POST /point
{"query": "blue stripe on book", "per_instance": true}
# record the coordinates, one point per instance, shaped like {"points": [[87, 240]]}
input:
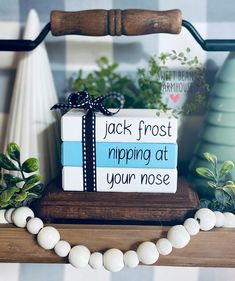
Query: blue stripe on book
{"points": [[123, 155]]}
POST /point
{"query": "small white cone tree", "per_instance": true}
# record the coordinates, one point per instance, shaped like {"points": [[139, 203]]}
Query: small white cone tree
{"points": [[31, 123]]}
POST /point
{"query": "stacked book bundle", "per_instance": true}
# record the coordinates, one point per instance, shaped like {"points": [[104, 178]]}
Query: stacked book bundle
{"points": [[135, 151]]}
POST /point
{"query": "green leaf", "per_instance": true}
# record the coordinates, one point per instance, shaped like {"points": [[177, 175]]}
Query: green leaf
{"points": [[212, 184], [31, 181], [3, 205], [21, 197], [222, 197], [11, 180], [210, 158], [204, 203], [31, 197], [206, 173], [7, 164], [34, 195], [13, 150], [226, 168], [30, 165], [6, 195], [37, 188], [230, 190]]}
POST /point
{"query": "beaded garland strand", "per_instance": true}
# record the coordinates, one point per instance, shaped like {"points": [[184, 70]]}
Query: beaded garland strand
{"points": [[114, 260]]}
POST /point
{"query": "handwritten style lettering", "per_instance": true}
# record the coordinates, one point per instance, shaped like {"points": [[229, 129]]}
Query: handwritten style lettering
{"points": [[154, 130], [117, 128]]}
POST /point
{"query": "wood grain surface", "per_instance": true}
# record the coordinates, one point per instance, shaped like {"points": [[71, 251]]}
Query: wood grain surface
{"points": [[214, 248], [124, 207], [115, 22]]}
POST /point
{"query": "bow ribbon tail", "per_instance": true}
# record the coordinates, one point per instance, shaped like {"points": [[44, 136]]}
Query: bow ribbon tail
{"points": [[89, 151]]}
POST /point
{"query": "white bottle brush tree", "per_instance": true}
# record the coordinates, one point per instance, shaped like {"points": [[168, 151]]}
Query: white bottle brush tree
{"points": [[31, 123]]}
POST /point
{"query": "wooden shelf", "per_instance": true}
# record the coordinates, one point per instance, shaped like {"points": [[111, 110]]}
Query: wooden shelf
{"points": [[215, 248]]}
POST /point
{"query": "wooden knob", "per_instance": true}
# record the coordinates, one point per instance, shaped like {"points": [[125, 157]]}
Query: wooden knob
{"points": [[115, 22]]}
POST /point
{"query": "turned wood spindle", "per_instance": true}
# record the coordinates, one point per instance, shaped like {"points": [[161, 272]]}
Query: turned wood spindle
{"points": [[115, 22]]}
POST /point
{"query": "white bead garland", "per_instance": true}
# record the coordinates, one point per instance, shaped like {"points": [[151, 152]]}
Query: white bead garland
{"points": [[8, 215], [2, 217], [79, 256], [131, 259], [47, 237], [164, 246], [34, 225], [62, 248], [113, 259], [96, 260], [178, 236], [147, 253], [219, 219], [192, 226], [229, 220], [21, 215], [206, 219]]}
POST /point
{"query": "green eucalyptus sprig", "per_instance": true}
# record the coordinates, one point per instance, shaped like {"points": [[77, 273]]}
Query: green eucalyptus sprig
{"points": [[145, 91], [220, 180], [20, 190]]}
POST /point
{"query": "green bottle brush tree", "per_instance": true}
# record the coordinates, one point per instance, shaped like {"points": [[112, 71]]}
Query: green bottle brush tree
{"points": [[16, 191]]}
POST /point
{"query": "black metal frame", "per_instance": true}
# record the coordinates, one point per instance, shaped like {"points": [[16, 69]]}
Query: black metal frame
{"points": [[24, 45], [212, 44], [219, 45]]}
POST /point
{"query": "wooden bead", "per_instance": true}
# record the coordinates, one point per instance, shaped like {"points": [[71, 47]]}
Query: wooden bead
{"points": [[8, 215], [2, 217], [47, 237], [21, 215], [147, 253], [178, 236], [79, 256], [219, 219], [113, 260], [229, 220], [164, 246], [62, 248], [131, 259], [206, 219], [34, 225], [192, 226], [96, 260]]}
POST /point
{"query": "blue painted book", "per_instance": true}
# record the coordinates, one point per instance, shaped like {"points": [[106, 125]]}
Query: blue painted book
{"points": [[123, 155]]}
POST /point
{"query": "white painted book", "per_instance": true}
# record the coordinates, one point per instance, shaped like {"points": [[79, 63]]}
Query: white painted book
{"points": [[128, 125], [123, 180]]}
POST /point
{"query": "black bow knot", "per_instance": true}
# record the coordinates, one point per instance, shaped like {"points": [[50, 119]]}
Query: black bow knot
{"points": [[85, 101]]}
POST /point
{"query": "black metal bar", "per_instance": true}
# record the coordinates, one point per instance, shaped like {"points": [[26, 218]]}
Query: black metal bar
{"points": [[24, 45], [219, 45]]}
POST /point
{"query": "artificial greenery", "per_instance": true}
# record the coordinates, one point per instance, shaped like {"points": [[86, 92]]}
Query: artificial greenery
{"points": [[145, 91], [20, 190], [220, 181]]}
